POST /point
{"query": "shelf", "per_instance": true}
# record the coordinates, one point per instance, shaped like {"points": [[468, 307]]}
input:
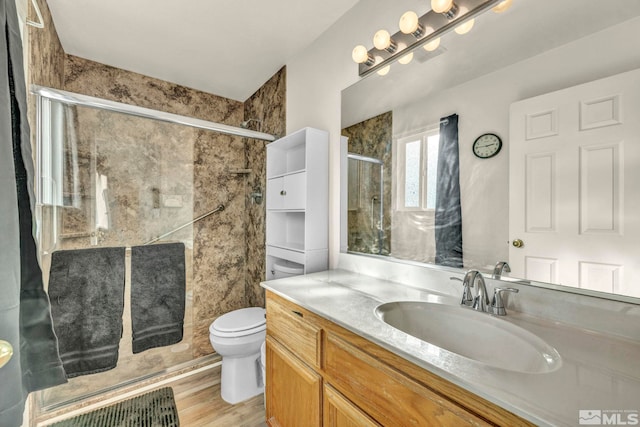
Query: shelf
{"points": [[286, 227], [287, 154], [290, 246], [297, 197], [286, 174]]}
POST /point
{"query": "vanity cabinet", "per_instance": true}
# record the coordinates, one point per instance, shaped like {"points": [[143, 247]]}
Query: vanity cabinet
{"points": [[297, 202], [298, 389], [354, 382]]}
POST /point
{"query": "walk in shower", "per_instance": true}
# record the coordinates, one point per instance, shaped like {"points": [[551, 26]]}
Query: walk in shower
{"points": [[109, 175], [366, 233]]}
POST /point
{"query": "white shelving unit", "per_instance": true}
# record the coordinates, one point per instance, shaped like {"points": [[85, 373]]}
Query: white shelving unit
{"points": [[297, 201]]}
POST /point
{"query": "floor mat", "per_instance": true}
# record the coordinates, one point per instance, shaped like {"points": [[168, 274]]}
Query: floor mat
{"points": [[153, 409]]}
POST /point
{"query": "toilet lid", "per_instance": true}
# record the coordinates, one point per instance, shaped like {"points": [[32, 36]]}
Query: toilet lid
{"points": [[244, 319], [289, 269]]}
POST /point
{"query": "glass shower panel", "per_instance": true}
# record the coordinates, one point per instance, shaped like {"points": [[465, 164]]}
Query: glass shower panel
{"points": [[111, 179]]}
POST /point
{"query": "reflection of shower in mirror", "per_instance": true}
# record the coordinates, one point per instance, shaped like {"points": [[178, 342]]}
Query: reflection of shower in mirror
{"points": [[366, 205]]}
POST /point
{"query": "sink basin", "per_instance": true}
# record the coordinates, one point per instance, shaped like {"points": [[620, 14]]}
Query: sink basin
{"points": [[477, 336]]}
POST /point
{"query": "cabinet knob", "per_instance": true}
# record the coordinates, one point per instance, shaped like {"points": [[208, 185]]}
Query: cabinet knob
{"points": [[283, 193]]}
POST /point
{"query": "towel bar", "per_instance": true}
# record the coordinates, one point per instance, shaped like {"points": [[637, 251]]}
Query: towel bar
{"points": [[218, 209]]}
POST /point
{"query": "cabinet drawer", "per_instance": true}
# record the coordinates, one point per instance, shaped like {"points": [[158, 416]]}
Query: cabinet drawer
{"points": [[288, 325], [376, 388]]}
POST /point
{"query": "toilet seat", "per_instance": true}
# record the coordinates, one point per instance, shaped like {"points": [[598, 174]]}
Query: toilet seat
{"points": [[239, 323]]}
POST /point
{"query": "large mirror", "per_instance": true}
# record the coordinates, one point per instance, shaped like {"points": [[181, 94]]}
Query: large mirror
{"points": [[555, 81]]}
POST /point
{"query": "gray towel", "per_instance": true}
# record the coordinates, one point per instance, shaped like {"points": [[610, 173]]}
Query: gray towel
{"points": [[86, 289], [157, 295]]}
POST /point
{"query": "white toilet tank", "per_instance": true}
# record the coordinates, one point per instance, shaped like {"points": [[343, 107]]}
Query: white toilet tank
{"points": [[283, 268]]}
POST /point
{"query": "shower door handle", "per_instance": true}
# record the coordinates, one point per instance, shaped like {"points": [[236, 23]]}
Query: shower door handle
{"points": [[373, 200]]}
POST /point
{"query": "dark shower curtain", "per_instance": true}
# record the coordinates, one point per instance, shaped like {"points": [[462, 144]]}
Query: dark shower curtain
{"points": [[25, 320], [448, 215]]}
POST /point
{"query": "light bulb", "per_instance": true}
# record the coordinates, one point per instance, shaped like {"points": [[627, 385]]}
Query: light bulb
{"points": [[384, 70], [6, 351], [432, 45], [502, 6], [382, 39], [441, 6], [404, 60], [466, 27], [409, 24], [360, 54]]}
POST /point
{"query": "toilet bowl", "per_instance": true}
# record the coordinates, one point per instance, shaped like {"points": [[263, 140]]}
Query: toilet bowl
{"points": [[283, 269], [237, 337]]}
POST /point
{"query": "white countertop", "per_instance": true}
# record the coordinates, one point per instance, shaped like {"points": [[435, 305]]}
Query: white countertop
{"points": [[598, 372]]}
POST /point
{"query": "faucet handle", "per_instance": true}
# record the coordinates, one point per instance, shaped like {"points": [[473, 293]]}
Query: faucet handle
{"points": [[467, 297], [497, 304]]}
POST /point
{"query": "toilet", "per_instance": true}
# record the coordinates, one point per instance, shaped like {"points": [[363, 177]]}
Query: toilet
{"points": [[237, 336], [283, 269]]}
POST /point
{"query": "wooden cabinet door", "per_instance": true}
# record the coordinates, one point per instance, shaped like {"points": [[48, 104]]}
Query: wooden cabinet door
{"points": [[293, 390], [340, 412]]}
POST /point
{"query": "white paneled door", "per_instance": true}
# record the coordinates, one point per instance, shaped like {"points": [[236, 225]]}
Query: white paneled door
{"points": [[574, 215]]}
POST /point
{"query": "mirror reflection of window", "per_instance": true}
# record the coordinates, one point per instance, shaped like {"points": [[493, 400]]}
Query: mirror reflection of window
{"points": [[417, 167]]}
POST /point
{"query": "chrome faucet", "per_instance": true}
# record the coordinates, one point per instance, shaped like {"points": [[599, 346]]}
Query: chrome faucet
{"points": [[500, 268], [481, 301]]}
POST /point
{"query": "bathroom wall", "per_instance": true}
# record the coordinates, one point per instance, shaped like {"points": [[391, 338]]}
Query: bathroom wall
{"points": [[268, 105], [371, 138]]}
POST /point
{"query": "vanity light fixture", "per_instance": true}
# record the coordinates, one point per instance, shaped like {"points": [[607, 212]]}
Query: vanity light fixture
{"points": [[466, 26], [432, 45], [360, 55], [446, 7], [410, 24], [405, 59], [422, 31], [384, 70], [382, 41], [502, 6]]}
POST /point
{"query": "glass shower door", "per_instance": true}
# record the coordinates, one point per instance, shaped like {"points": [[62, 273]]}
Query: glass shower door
{"points": [[108, 179]]}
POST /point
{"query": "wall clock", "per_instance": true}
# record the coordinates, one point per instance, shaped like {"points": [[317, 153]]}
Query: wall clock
{"points": [[487, 145]]}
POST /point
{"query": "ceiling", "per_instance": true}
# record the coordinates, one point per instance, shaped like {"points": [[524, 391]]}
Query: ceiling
{"points": [[225, 47]]}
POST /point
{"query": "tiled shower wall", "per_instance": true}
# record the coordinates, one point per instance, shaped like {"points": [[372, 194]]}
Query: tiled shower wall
{"points": [[228, 252]]}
